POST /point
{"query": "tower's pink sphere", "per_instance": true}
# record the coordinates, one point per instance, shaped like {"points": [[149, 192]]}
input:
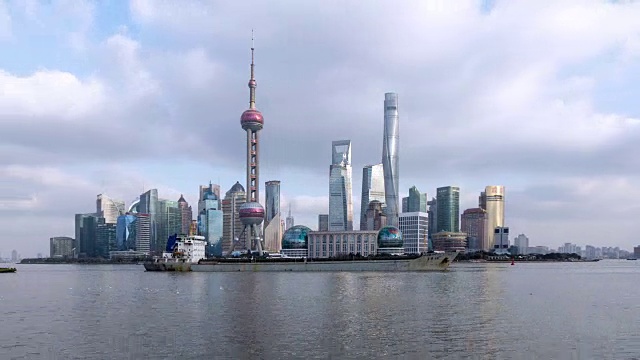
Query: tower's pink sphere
{"points": [[252, 119], [251, 213]]}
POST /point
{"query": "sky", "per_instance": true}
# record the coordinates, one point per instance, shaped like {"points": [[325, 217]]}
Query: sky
{"points": [[115, 97]]}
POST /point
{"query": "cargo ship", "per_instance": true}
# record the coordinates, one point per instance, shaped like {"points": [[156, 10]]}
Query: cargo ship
{"points": [[436, 261], [180, 254]]}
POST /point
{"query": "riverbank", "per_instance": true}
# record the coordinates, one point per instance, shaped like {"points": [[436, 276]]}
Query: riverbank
{"points": [[50, 261]]}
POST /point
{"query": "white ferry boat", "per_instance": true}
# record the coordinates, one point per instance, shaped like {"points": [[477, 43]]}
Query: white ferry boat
{"points": [[180, 254]]}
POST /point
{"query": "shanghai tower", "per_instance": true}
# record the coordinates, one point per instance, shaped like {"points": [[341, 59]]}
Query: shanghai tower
{"points": [[390, 157]]}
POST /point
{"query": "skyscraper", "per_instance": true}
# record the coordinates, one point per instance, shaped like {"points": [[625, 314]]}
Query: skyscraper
{"points": [[126, 232], [272, 227], [474, 223], [448, 218], [323, 222], [186, 215], [340, 187], [169, 221], [210, 221], [372, 189], [252, 213], [143, 232], [494, 197], [290, 221], [416, 201], [149, 205], [414, 227], [232, 226], [108, 208], [272, 200], [432, 210], [390, 143]]}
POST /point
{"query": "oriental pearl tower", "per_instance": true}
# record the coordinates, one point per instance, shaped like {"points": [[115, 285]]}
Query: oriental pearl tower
{"points": [[251, 213]]}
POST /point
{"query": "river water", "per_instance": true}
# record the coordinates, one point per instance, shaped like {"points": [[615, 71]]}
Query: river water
{"points": [[474, 311]]}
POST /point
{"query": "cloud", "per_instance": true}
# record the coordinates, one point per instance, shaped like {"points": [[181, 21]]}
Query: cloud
{"points": [[505, 94]]}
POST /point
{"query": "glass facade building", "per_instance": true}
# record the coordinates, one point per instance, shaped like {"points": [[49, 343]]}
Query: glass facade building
{"points": [[272, 200], [372, 190], [416, 201], [448, 203], [126, 232], [390, 163], [340, 187], [149, 205], [210, 222]]}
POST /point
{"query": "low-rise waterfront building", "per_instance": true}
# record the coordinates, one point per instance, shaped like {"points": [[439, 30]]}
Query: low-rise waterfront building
{"points": [[449, 241], [323, 244]]}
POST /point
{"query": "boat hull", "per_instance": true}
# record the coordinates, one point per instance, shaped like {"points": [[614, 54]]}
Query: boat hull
{"points": [[7, 270], [168, 266], [428, 262]]}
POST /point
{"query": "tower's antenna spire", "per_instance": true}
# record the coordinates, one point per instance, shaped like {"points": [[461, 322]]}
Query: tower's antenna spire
{"points": [[252, 81]]}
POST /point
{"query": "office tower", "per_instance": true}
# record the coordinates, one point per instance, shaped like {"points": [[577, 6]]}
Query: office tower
{"points": [[149, 205], [272, 200], [323, 222], [108, 208], [14, 255], [143, 233], [290, 221], [474, 223], [126, 232], [432, 210], [414, 227], [482, 201], [494, 197], [210, 221], [416, 201], [375, 218], [61, 247], [205, 188], [501, 239], [372, 189], [232, 226], [522, 243], [186, 215], [169, 221], [340, 187], [105, 238], [448, 203], [251, 212], [390, 163], [85, 234], [405, 204]]}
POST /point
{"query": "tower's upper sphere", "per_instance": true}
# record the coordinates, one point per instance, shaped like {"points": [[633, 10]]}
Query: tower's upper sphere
{"points": [[251, 213], [252, 119]]}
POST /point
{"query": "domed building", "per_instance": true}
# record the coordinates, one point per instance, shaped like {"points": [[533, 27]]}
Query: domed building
{"points": [[390, 241], [295, 241]]}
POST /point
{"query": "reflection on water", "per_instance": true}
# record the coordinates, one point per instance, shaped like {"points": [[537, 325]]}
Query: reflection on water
{"points": [[477, 311]]}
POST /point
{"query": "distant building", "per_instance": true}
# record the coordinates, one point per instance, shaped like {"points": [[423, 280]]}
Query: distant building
{"points": [[323, 222], [14, 255], [522, 243], [449, 241], [61, 247], [414, 227], [405, 204], [204, 189], [105, 239], [149, 205], [290, 221], [473, 223], [272, 222], [210, 223], [186, 215], [494, 199], [432, 210], [169, 222], [108, 208], [501, 240], [636, 252], [143, 233], [85, 234], [390, 157], [590, 252], [340, 187], [416, 201], [448, 203], [232, 226], [375, 218], [126, 232], [372, 189], [273, 235]]}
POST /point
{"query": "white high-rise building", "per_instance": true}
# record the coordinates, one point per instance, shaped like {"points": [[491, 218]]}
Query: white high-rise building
{"points": [[372, 189], [414, 227], [390, 163], [340, 187], [494, 196], [522, 242], [109, 209]]}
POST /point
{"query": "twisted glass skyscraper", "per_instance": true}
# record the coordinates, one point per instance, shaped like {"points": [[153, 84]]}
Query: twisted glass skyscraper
{"points": [[340, 187], [390, 157]]}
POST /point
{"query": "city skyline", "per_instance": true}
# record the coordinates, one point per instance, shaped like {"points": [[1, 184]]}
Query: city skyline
{"points": [[111, 116]]}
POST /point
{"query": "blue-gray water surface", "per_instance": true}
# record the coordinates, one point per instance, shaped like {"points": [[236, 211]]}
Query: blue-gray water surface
{"points": [[474, 311]]}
